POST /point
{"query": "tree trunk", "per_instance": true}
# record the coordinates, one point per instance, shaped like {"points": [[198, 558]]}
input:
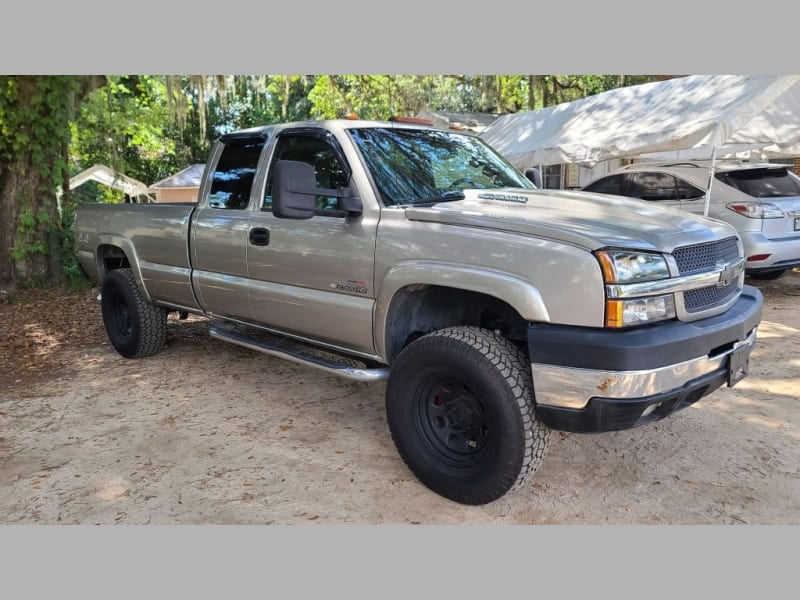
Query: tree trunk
{"points": [[287, 88], [34, 115], [9, 209], [531, 92], [545, 95], [28, 251]]}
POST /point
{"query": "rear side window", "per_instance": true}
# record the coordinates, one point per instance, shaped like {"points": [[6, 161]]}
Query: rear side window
{"points": [[653, 186], [614, 184], [686, 191], [234, 174], [762, 183]]}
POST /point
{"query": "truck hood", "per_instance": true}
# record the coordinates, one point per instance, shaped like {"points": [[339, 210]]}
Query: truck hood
{"points": [[584, 219]]}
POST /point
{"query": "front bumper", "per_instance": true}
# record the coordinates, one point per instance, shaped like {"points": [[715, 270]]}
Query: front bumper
{"points": [[591, 380]]}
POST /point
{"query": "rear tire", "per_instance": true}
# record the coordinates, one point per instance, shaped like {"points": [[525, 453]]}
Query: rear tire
{"points": [[460, 408], [134, 327]]}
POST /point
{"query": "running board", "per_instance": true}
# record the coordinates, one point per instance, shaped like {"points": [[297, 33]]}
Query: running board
{"points": [[300, 356]]}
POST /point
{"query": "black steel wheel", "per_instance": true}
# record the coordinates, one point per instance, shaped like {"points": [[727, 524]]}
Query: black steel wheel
{"points": [[460, 408], [451, 420]]}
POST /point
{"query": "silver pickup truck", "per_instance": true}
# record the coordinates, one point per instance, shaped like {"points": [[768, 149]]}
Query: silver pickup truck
{"points": [[495, 310]]}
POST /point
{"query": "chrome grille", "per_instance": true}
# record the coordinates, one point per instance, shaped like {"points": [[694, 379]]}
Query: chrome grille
{"points": [[704, 257], [709, 297]]}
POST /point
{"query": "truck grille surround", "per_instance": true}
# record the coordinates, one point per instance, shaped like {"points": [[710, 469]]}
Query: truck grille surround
{"points": [[706, 257]]}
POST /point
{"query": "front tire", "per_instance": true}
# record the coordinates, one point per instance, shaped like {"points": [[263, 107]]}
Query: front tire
{"points": [[134, 327], [459, 403]]}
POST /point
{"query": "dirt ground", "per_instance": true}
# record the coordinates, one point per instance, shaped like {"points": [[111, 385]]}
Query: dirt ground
{"points": [[207, 432]]}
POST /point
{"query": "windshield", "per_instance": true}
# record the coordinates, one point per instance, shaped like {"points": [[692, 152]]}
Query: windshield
{"points": [[414, 166]]}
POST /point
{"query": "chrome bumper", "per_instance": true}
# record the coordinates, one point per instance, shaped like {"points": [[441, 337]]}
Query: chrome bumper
{"points": [[572, 388]]}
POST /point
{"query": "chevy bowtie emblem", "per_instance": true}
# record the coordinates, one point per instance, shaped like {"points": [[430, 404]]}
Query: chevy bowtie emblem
{"points": [[730, 271]]}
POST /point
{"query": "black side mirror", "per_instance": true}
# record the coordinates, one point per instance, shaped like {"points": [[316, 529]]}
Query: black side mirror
{"points": [[535, 176], [295, 191]]}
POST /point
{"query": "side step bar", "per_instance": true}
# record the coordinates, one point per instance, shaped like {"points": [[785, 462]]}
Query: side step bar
{"points": [[299, 356]]}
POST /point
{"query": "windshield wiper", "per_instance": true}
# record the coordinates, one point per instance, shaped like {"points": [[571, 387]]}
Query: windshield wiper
{"points": [[448, 196]]}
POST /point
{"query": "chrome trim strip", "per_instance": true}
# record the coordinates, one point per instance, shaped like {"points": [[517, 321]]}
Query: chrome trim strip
{"points": [[569, 387], [675, 285]]}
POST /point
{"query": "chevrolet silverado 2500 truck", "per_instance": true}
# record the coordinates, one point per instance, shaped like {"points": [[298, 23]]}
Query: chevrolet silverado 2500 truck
{"points": [[497, 311]]}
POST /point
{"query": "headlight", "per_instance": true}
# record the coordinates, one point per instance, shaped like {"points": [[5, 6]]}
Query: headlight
{"points": [[624, 266], [756, 210], [622, 313]]}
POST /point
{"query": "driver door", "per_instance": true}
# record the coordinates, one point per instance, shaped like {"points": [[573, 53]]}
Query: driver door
{"points": [[314, 277]]}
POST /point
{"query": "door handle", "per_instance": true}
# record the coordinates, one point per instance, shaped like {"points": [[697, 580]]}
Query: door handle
{"points": [[259, 236]]}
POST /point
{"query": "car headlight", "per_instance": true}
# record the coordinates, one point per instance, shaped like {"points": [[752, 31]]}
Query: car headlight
{"points": [[756, 210], [624, 266]]}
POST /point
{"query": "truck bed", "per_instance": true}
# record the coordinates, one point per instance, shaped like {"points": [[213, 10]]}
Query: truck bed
{"points": [[155, 237]]}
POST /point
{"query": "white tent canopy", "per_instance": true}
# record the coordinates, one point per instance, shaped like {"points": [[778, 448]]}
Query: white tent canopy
{"points": [[107, 176], [691, 115]]}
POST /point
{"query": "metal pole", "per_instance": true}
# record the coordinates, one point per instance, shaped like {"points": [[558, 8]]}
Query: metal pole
{"points": [[710, 180]]}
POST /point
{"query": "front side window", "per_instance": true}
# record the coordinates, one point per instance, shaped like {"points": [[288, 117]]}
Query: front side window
{"points": [[317, 151], [415, 166], [762, 183], [613, 184], [234, 174]]}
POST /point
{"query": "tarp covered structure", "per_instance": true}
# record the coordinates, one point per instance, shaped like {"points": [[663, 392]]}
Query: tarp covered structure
{"points": [[693, 115], [107, 176], [133, 188]]}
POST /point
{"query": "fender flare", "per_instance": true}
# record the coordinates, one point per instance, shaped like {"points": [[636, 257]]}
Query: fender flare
{"points": [[126, 245], [521, 295]]}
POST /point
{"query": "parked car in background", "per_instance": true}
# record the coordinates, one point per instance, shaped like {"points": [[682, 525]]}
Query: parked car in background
{"points": [[762, 201]]}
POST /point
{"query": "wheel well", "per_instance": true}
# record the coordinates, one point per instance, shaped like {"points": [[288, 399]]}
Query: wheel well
{"points": [[418, 310], [110, 258]]}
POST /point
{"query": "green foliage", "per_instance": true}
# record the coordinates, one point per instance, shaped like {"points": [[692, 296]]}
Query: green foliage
{"points": [[150, 126], [69, 262], [126, 125]]}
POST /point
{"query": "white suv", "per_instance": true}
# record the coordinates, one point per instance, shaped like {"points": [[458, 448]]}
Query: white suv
{"points": [[762, 201]]}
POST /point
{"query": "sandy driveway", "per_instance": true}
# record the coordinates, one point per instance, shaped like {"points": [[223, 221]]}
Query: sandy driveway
{"points": [[207, 432]]}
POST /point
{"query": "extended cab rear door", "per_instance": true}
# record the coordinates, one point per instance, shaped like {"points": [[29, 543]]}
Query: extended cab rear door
{"points": [[221, 225], [314, 277]]}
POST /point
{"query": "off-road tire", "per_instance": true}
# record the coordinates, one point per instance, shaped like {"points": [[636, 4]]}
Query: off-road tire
{"points": [[134, 327], [460, 408]]}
